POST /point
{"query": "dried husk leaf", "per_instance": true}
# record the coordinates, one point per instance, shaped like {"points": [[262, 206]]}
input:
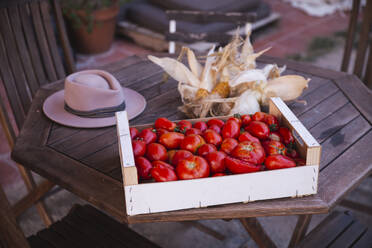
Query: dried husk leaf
{"points": [[250, 61], [176, 70], [247, 103], [287, 87], [194, 65], [254, 75]]}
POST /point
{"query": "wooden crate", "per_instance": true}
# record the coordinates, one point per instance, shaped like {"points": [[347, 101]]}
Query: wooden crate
{"points": [[167, 196]]}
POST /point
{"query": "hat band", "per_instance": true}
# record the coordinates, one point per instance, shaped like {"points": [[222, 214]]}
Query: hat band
{"points": [[96, 113]]}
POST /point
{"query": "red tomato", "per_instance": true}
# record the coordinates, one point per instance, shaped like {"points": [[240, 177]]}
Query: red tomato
{"points": [[246, 119], [251, 152], [178, 156], [246, 136], [161, 131], [274, 162], [183, 126], [258, 129], [143, 167], [238, 166], [193, 167], [231, 129], [148, 135], [156, 151], [272, 122], [193, 131], [275, 136], [171, 140], [205, 149], [192, 143], [286, 135], [163, 172], [139, 147], [170, 155], [274, 147], [217, 161], [215, 128], [217, 122], [228, 145], [258, 116], [211, 137], [236, 118], [133, 132], [292, 153], [220, 174], [201, 125], [165, 123]]}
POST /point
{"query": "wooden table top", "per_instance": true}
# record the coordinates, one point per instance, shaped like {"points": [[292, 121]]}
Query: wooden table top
{"points": [[86, 161]]}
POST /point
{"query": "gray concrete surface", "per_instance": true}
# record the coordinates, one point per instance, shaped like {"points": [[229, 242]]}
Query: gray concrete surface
{"points": [[178, 235]]}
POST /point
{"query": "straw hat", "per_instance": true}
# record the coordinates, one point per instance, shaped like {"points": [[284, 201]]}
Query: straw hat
{"points": [[90, 100]]}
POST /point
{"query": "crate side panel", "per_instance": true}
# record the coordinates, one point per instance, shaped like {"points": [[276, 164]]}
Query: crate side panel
{"points": [[161, 197]]}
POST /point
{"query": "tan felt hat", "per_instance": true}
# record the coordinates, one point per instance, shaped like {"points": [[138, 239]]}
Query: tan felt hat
{"points": [[90, 100]]}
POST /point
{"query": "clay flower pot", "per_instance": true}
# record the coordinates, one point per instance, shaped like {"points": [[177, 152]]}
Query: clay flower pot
{"points": [[98, 37]]}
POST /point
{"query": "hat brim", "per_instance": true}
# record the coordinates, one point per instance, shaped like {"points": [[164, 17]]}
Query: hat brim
{"points": [[53, 108]]}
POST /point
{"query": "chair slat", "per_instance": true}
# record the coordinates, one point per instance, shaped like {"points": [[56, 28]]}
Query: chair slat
{"points": [[8, 81], [365, 241], [42, 42], [349, 236], [32, 44], [368, 77], [47, 20], [12, 54], [15, 21]]}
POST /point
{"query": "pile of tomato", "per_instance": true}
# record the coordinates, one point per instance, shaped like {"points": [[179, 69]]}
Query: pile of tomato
{"points": [[171, 151]]}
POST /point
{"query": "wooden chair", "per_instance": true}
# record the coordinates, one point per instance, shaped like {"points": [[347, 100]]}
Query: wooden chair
{"points": [[84, 226], [203, 17], [363, 62], [29, 58], [339, 230]]}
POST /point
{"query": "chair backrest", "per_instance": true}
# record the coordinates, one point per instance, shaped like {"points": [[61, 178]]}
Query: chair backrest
{"points": [[363, 61], [11, 236], [29, 54], [203, 17]]}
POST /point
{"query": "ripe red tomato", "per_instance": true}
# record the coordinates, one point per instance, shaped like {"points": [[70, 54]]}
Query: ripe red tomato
{"points": [[251, 152], [161, 131], [171, 140], [236, 118], [148, 135], [292, 153], [183, 126], [193, 131], [192, 143], [258, 129], [205, 149], [201, 125], [228, 145], [238, 166], [217, 161], [246, 119], [155, 151], [274, 147], [215, 128], [163, 172], [246, 136], [178, 156], [217, 122], [299, 161], [211, 137], [165, 123], [258, 116], [272, 122], [139, 147], [133, 132], [287, 136], [231, 129], [219, 174], [275, 136], [275, 162], [192, 167], [143, 167]]}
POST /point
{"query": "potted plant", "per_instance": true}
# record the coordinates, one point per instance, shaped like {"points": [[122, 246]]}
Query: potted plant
{"points": [[91, 23]]}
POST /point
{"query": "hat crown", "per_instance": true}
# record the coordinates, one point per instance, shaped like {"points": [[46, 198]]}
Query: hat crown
{"points": [[91, 80]]}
